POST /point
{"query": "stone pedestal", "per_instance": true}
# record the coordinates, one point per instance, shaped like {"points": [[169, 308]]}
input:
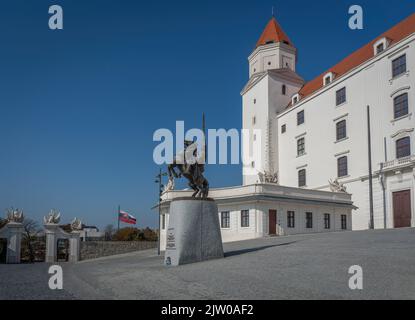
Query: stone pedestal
{"points": [[53, 234], [13, 232], [193, 234]]}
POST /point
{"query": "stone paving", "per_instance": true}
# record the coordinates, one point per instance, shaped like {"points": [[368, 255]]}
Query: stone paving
{"points": [[294, 267]]}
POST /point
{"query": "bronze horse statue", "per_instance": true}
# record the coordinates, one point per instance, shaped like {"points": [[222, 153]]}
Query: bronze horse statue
{"points": [[192, 172]]}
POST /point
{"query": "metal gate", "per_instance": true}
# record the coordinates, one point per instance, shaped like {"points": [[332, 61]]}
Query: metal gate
{"points": [[3, 250], [63, 250]]}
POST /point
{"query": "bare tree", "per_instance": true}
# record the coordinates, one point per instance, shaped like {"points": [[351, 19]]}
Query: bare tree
{"points": [[109, 232], [32, 230], [3, 222]]}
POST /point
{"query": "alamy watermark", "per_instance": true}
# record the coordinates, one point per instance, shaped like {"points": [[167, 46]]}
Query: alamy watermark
{"points": [[222, 147], [56, 280]]}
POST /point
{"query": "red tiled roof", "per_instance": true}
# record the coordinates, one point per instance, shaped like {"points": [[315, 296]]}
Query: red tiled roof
{"points": [[395, 34], [273, 33]]}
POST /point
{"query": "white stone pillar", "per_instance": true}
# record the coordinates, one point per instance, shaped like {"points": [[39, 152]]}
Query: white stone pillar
{"points": [[14, 245], [74, 246], [51, 231]]}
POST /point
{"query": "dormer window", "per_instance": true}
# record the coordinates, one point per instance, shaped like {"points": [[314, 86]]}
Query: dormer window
{"points": [[380, 46], [295, 98], [328, 78]]}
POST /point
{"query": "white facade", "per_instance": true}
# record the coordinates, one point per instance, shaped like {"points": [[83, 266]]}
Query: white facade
{"points": [[258, 200], [370, 83]]}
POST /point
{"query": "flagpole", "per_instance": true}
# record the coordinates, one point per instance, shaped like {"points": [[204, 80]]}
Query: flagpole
{"points": [[118, 217]]}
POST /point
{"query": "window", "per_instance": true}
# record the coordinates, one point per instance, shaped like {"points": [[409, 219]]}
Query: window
{"points": [[253, 120], [380, 47], [327, 80], [344, 221], [284, 90], [327, 221], [342, 167], [253, 164], [225, 220], [399, 66], [309, 220], [300, 118], [163, 221], [283, 128], [340, 96], [290, 219], [245, 218], [400, 105], [254, 101], [403, 147], [295, 98], [341, 130], [300, 147], [301, 178]]}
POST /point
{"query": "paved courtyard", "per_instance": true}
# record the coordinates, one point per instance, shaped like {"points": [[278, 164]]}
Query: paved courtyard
{"points": [[294, 267]]}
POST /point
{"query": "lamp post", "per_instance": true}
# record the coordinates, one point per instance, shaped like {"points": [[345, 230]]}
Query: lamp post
{"points": [[158, 180]]}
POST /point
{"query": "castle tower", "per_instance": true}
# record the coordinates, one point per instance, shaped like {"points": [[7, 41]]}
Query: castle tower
{"points": [[272, 83]]}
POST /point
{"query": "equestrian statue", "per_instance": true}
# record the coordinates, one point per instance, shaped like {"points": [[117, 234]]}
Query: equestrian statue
{"points": [[191, 170]]}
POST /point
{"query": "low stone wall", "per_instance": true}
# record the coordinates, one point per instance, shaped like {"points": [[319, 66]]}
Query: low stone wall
{"points": [[96, 249]]}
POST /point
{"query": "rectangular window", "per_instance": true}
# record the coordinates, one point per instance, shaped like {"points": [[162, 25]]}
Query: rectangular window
{"points": [[344, 221], [300, 118], [341, 130], [225, 219], [327, 221], [290, 219], [300, 147], [309, 220], [398, 66], [283, 128], [302, 178], [400, 105], [163, 221], [403, 147], [342, 167], [380, 48], [340, 96], [327, 80], [245, 218]]}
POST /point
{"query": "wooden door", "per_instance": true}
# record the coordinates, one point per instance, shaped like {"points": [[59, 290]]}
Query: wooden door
{"points": [[272, 222], [402, 209]]}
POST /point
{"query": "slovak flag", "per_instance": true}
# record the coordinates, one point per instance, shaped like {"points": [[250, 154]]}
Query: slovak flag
{"points": [[126, 217]]}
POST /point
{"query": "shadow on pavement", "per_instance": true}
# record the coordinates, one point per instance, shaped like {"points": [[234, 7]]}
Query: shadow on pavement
{"points": [[243, 251]]}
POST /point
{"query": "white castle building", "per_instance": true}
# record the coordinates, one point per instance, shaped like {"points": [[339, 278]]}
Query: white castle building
{"points": [[350, 128]]}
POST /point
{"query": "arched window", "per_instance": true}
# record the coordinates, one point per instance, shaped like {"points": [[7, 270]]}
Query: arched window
{"points": [[400, 105], [403, 147]]}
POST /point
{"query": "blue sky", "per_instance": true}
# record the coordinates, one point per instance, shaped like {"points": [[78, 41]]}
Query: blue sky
{"points": [[78, 107]]}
